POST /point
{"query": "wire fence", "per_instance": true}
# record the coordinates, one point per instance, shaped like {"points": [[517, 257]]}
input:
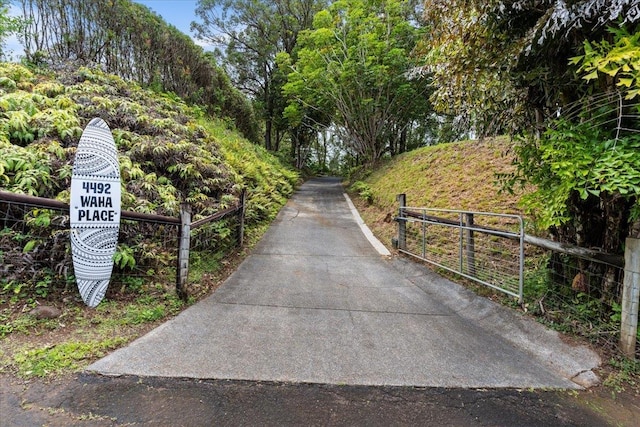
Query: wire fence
{"points": [[573, 290], [484, 247], [35, 249], [575, 295], [35, 253]]}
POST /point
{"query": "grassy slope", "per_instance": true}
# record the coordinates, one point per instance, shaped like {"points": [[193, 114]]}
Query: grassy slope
{"points": [[459, 175]]}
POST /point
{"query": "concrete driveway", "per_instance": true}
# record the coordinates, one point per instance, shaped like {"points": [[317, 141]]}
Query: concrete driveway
{"points": [[315, 302]]}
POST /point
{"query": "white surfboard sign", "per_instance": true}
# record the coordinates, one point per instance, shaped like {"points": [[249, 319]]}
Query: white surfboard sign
{"points": [[94, 210]]}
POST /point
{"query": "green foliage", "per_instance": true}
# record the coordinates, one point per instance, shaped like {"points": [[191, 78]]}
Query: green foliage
{"points": [[19, 74], [166, 159], [8, 25], [67, 356], [501, 66], [24, 170], [471, 60], [23, 324], [626, 374], [619, 60], [557, 305], [267, 181], [123, 258], [264, 28], [129, 40], [577, 158], [169, 153], [13, 287], [137, 315], [594, 156], [353, 68], [363, 190]]}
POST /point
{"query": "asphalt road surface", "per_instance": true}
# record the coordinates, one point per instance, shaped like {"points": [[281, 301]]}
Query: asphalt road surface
{"points": [[92, 400]]}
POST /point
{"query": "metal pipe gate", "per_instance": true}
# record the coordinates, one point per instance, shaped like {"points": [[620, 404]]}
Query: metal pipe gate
{"points": [[482, 246]]}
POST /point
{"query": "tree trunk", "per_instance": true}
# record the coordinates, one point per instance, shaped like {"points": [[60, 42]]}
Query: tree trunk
{"points": [[267, 133], [597, 223]]}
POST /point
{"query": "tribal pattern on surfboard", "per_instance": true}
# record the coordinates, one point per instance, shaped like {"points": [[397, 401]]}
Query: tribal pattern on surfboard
{"points": [[95, 210]]}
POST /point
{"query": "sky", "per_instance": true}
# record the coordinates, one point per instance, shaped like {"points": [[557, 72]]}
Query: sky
{"points": [[179, 13]]}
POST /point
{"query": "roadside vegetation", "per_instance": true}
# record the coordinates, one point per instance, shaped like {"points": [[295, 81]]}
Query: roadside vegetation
{"points": [[170, 152]]}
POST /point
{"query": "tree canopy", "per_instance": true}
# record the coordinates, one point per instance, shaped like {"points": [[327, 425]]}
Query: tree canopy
{"points": [[353, 68], [251, 34], [8, 25], [502, 65]]}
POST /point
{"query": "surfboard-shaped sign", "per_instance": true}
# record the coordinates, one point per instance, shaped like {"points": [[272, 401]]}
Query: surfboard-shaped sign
{"points": [[94, 210]]}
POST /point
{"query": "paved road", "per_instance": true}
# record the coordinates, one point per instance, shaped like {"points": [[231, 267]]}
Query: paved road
{"points": [[92, 401], [316, 303]]}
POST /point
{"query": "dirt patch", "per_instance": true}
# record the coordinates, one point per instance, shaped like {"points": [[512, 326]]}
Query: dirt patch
{"points": [[618, 408]]}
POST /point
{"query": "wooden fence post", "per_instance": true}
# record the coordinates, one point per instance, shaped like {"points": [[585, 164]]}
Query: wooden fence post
{"points": [[183, 252], [241, 213], [630, 297], [470, 245], [402, 224]]}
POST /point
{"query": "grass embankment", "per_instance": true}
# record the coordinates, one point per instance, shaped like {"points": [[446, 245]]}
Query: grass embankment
{"points": [[460, 175]]}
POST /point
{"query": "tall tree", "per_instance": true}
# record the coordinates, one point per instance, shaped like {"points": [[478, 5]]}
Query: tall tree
{"points": [[354, 67], [252, 32]]}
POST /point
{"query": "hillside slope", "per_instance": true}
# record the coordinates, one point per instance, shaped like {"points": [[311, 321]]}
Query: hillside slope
{"points": [[460, 175], [169, 151]]}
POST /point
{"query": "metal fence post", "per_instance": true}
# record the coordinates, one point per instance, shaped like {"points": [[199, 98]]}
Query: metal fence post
{"points": [[183, 251], [402, 224], [461, 243], [630, 297], [470, 245]]}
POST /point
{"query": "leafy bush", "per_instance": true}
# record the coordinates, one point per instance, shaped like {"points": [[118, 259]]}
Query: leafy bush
{"points": [[583, 159], [363, 190], [267, 181]]}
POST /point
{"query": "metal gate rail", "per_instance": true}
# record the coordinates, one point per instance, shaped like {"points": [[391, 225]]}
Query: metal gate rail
{"points": [[482, 246]]}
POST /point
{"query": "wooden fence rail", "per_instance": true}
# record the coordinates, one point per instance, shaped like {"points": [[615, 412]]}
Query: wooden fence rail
{"points": [[42, 202], [183, 222]]}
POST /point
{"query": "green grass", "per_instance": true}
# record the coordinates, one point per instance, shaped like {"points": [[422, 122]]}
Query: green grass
{"points": [[460, 175], [63, 357], [626, 374], [32, 347]]}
